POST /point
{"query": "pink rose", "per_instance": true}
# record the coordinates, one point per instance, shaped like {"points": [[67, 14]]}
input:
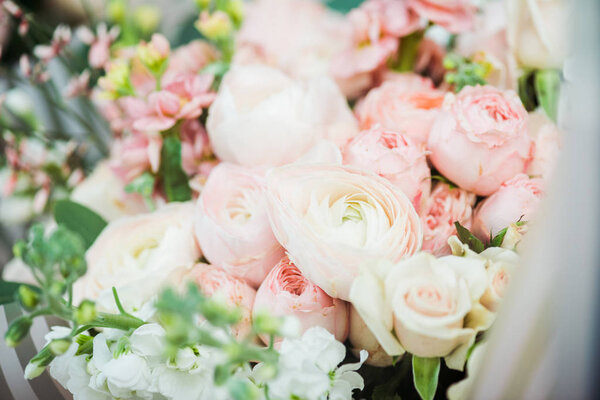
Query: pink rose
{"points": [[407, 103], [454, 15], [232, 225], [444, 206], [480, 140], [547, 139], [216, 283], [286, 292], [394, 156], [333, 219], [517, 199]]}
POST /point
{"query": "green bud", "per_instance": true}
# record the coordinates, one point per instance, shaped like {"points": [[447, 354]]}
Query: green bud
{"points": [[28, 297], [265, 323], [215, 26], [38, 364], [59, 346], [86, 312], [242, 390], [116, 11], [219, 313], [146, 18], [203, 4], [222, 374], [19, 249], [235, 9], [58, 288], [17, 331]]}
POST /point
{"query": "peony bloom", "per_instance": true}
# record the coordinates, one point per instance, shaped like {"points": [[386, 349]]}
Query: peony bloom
{"points": [[286, 292], [232, 226], [538, 32], [454, 15], [547, 139], [517, 199], [425, 305], [299, 37], [139, 251], [262, 118], [377, 27], [442, 208], [333, 219], [393, 156], [406, 103], [480, 140]]}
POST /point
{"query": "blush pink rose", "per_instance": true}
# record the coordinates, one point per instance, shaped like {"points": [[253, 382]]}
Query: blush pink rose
{"points": [[286, 292], [547, 139], [232, 225], [394, 156], [406, 103], [480, 139], [517, 199], [442, 208], [454, 15]]}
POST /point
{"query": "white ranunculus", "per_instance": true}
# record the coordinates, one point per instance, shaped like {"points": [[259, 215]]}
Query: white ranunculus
{"points": [[332, 219], [103, 192], [538, 32], [137, 253], [261, 117], [425, 305]]}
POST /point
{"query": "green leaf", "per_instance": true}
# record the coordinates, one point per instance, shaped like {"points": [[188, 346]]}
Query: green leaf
{"points": [[79, 219], [175, 180], [468, 238], [343, 5], [527, 91], [445, 180], [426, 372], [547, 89], [144, 185], [499, 238], [8, 291], [217, 68]]}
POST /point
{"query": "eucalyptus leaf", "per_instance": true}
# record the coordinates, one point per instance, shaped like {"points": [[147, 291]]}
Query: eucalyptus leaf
{"points": [[426, 372], [79, 219], [468, 238], [175, 180]]}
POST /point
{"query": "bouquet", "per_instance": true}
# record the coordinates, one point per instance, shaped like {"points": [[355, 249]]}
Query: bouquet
{"points": [[283, 200]]}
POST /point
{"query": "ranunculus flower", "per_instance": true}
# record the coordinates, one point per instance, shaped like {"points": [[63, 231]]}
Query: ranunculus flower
{"points": [[406, 103], [517, 199], [454, 15], [232, 226], [442, 208], [333, 219], [103, 192], [140, 249], [480, 140], [262, 117], [547, 138], [394, 156], [286, 292], [538, 32], [425, 305]]}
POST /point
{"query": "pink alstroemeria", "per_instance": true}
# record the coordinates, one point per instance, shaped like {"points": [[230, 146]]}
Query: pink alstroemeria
{"points": [[78, 85], [135, 154], [99, 43], [60, 39], [195, 147]]}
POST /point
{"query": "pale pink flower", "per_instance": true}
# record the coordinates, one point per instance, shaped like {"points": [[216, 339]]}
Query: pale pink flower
{"points": [[135, 154], [454, 15], [442, 208], [78, 85], [190, 59], [405, 102], [195, 147], [394, 156], [480, 139], [517, 200], [60, 38], [286, 292], [99, 53]]}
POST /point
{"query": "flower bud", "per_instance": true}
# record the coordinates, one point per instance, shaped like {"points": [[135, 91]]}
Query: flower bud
{"points": [[58, 288], [37, 365], [116, 83], [214, 26], [220, 314], [265, 323], [116, 11], [59, 346], [28, 297], [154, 54], [235, 9], [202, 4], [146, 18], [86, 312], [17, 331]]}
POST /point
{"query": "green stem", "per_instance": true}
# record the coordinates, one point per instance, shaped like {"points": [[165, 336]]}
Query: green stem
{"points": [[407, 54]]}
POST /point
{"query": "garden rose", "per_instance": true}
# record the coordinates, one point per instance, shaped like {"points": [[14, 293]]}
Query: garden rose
{"points": [[232, 226], [142, 248], [454, 15], [332, 219], [547, 139], [517, 199], [286, 292], [432, 305], [262, 117], [480, 140], [406, 103], [501, 267], [538, 32], [394, 156], [442, 208]]}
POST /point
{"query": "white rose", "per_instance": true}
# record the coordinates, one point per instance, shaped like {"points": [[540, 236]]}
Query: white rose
{"points": [[262, 117], [138, 253], [538, 32]]}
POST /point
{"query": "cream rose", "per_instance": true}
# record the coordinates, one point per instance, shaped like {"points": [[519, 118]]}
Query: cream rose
{"points": [[261, 117], [332, 219], [232, 226], [501, 265], [141, 249]]}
